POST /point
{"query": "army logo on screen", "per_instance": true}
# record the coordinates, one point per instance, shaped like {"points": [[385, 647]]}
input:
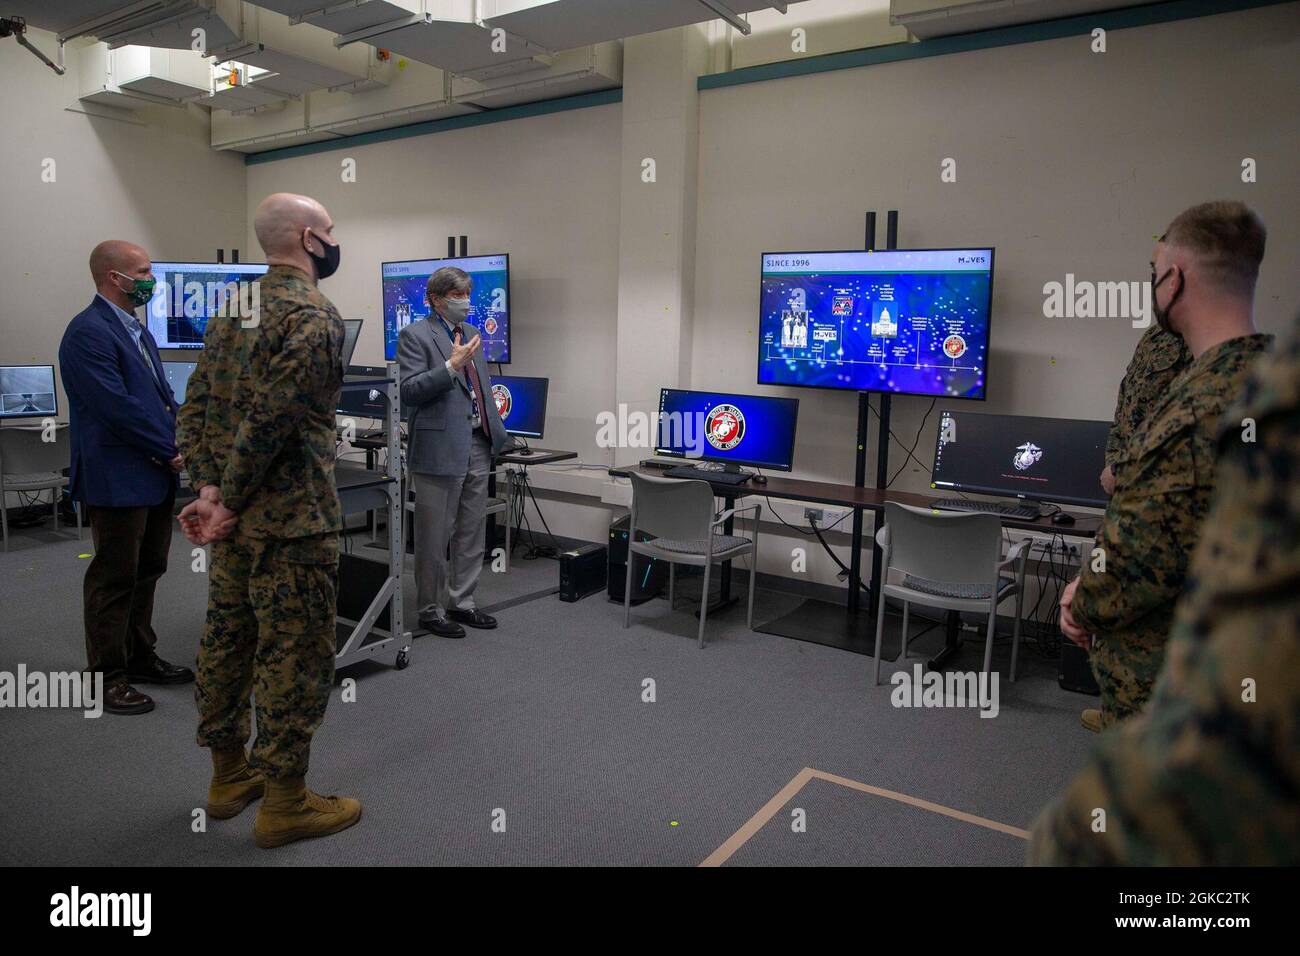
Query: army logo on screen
{"points": [[1027, 455], [725, 427], [501, 395]]}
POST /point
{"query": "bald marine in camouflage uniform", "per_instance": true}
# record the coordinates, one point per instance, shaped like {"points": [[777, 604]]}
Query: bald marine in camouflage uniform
{"points": [[1209, 775], [1151, 526], [1159, 358], [258, 427]]}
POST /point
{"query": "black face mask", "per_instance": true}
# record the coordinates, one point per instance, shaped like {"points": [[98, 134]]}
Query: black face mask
{"points": [[327, 264], [1162, 315]]}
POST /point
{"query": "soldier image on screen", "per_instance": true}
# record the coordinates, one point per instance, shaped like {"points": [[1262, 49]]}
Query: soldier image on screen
{"points": [[258, 431]]}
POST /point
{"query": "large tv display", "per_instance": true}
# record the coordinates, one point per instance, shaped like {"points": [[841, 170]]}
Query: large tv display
{"points": [[904, 321], [187, 294], [404, 300]]}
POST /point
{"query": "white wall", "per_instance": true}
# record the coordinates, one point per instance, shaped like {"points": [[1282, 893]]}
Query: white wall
{"points": [[155, 182], [1067, 161], [545, 190]]}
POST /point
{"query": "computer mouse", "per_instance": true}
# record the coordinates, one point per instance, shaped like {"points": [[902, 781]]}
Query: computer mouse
{"points": [[759, 479], [1062, 517]]}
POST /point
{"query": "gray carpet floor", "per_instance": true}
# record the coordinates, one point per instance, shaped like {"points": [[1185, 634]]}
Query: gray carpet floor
{"points": [[539, 723]]}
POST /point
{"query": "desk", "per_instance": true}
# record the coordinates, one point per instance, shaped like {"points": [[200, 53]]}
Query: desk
{"points": [[538, 456], [835, 625]]}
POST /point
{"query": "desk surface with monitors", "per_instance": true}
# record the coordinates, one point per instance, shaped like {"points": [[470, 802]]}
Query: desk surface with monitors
{"points": [[27, 391], [1019, 456], [902, 321]]}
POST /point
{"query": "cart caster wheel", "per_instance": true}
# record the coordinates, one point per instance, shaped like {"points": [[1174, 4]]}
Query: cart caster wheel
{"points": [[403, 660]]}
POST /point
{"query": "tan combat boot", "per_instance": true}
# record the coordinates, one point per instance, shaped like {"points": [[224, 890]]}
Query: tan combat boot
{"points": [[292, 812], [234, 784], [1091, 720]]}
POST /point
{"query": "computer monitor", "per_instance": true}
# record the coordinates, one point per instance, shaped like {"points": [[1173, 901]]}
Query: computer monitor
{"points": [[178, 376], [902, 321], [1039, 459], [362, 402], [187, 294], [27, 391], [752, 430], [351, 332], [522, 403], [404, 299]]}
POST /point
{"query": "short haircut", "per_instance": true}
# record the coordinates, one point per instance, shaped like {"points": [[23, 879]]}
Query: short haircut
{"points": [[448, 279], [1227, 237]]}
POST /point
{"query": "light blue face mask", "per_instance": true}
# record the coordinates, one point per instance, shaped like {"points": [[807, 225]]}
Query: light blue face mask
{"points": [[455, 311]]}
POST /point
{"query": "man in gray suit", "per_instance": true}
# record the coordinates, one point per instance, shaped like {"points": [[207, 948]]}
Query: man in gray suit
{"points": [[454, 432]]}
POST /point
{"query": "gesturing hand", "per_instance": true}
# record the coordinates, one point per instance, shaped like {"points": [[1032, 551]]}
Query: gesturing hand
{"points": [[462, 354]]}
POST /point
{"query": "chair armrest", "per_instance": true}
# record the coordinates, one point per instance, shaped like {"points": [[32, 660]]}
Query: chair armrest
{"points": [[732, 512], [1018, 554], [882, 536]]}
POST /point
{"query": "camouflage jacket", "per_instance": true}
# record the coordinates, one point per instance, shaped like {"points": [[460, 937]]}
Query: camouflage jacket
{"points": [[1161, 498], [1159, 358], [258, 418], [1209, 773]]}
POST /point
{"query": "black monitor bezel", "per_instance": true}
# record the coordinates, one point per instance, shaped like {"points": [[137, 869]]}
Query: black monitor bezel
{"points": [[1100, 502], [54, 381], [510, 297], [729, 460], [992, 250], [187, 262], [546, 394]]}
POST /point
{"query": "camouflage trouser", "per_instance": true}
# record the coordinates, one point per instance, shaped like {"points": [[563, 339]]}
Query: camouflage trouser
{"points": [[269, 631], [1126, 669]]}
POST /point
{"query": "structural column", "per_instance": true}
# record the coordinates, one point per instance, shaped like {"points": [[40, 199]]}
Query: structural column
{"points": [[656, 255]]}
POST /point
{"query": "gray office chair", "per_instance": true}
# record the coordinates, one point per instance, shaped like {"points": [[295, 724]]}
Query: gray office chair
{"points": [[952, 561], [30, 464], [679, 515]]}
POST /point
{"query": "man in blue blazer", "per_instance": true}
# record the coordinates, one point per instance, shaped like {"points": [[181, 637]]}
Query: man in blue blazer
{"points": [[124, 472]]}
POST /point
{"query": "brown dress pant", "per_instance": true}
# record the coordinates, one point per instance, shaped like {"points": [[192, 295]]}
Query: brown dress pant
{"points": [[131, 546]]}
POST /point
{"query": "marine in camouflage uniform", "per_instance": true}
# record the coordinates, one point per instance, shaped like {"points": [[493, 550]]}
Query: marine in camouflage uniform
{"points": [[1210, 773], [1151, 526], [258, 422], [1159, 358]]}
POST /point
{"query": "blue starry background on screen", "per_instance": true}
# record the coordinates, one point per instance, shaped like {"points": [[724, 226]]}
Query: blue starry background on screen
{"points": [[913, 333], [489, 306]]}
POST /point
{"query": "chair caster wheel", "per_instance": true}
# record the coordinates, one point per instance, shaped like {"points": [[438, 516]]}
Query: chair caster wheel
{"points": [[403, 660]]}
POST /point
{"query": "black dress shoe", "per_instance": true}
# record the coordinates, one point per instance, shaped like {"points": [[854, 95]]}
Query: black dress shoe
{"points": [[125, 699], [442, 628], [158, 671], [473, 618]]}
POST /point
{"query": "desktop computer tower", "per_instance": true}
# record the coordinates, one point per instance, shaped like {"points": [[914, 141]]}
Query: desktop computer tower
{"points": [[1074, 673], [649, 577], [582, 571]]}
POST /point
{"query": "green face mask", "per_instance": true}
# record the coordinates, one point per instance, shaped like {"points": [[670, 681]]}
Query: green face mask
{"points": [[141, 289]]}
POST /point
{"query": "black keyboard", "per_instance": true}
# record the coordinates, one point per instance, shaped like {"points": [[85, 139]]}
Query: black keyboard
{"points": [[717, 477], [1027, 512]]}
